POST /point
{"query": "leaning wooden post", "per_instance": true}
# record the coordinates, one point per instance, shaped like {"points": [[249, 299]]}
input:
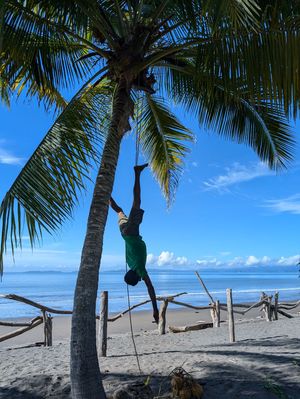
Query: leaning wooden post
{"points": [[162, 317], [47, 328], [230, 315], [102, 342], [275, 313]]}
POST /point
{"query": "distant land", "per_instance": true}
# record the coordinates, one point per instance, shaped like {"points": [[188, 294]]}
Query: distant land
{"points": [[251, 269]]}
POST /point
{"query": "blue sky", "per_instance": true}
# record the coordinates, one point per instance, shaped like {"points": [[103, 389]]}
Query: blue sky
{"points": [[230, 209]]}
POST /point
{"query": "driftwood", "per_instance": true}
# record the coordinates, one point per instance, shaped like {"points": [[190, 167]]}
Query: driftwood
{"points": [[187, 305], [204, 286], [255, 305], [34, 323], [245, 305], [158, 298], [15, 324], [288, 306], [35, 304], [162, 317], [289, 316], [194, 327], [222, 307]]}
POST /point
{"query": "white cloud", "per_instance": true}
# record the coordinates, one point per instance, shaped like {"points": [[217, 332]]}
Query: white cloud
{"points": [[249, 261], [287, 205], [235, 174], [166, 258], [289, 261], [252, 260], [9, 159]]}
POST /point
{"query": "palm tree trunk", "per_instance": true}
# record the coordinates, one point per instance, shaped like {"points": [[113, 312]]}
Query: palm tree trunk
{"points": [[86, 379]]}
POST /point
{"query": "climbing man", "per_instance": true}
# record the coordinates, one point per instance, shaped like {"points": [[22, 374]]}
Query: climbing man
{"points": [[136, 252]]}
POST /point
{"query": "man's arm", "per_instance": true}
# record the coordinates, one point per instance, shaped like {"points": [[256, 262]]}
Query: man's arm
{"points": [[114, 205], [152, 296]]}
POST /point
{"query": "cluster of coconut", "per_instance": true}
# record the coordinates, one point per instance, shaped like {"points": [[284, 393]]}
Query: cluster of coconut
{"points": [[183, 386]]}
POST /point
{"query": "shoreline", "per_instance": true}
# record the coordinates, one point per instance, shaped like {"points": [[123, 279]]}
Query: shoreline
{"points": [[142, 322]]}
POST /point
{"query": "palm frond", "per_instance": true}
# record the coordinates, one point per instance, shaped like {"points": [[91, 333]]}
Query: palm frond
{"points": [[163, 139], [232, 14], [38, 60], [47, 188], [268, 61], [259, 126], [232, 114]]}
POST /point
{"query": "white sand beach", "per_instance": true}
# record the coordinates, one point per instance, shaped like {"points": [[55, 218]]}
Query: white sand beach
{"points": [[264, 363]]}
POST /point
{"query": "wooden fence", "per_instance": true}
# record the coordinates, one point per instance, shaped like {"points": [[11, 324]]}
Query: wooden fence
{"points": [[269, 308]]}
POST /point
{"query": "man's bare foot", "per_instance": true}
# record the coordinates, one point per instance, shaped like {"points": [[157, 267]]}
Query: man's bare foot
{"points": [[140, 168]]}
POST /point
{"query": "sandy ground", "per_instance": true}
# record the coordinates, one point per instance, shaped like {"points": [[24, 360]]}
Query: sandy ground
{"points": [[264, 363]]}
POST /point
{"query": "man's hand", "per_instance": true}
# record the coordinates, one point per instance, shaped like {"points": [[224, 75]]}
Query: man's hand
{"points": [[152, 296]]}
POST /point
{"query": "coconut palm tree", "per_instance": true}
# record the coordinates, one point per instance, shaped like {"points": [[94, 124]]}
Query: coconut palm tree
{"points": [[232, 64]]}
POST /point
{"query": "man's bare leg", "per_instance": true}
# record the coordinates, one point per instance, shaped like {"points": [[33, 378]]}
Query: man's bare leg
{"points": [[137, 185]]}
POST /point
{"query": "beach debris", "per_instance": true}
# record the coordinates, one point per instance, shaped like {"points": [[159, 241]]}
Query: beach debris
{"points": [[134, 390], [184, 386], [194, 327]]}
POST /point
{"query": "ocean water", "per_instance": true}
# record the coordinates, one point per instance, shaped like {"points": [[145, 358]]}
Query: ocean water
{"points": [[56, 289]]}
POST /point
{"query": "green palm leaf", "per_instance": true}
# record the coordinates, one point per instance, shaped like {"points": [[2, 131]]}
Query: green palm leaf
{"points": [[163, 139], [46, 189], [259, 126], [231, 113], [38, 59]]}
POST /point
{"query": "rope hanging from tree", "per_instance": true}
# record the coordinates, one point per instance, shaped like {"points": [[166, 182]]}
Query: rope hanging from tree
{"points": [[137, 150]]}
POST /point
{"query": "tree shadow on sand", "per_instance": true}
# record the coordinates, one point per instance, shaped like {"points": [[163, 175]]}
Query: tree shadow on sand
{"points": [[245, 369], [14, 393], [37, 387]]}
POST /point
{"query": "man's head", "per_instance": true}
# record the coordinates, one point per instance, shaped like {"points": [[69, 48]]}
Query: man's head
{"points": [[131, 278]]}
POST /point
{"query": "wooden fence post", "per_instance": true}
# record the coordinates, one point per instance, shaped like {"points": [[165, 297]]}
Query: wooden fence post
{"points": [[102, 339], [266, 308], [275, 312], [269, 308], [47, 329], [218, 315], [215, 313], [162, 317], [230, 315]]}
